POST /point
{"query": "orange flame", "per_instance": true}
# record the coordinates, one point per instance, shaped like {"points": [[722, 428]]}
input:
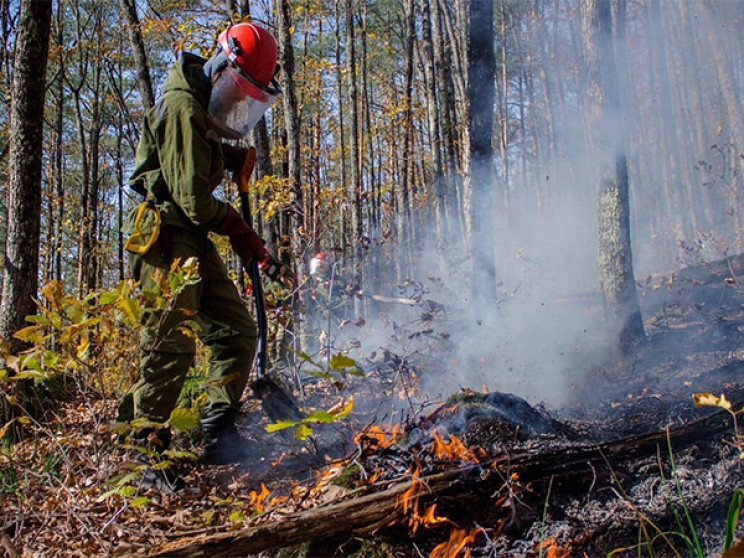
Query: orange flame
{"points": [[378, 437], [553, 550], [453, 450], [256, 499], [459, 539], [409, 499]]}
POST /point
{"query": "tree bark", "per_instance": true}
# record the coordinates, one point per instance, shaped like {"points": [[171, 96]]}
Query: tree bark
{"points": [[481, 91], [20, 277], [292, 126], [139, 53], [615, 256]]}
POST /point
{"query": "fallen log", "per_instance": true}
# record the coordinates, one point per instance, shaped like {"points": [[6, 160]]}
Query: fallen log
{"points": [[364, 513]]}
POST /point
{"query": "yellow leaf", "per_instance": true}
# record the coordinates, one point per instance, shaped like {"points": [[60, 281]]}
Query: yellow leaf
{"points": [[340, 411], [82, 347], [29, 334], [183, 419], [710, 400], [303, 431], [128, 306]]}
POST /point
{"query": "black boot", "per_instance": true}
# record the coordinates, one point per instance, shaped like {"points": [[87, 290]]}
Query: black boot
{"points": [[157, 441], [222, 443]]}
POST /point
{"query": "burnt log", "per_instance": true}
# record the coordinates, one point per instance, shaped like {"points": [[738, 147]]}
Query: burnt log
{"points": [[363, 512]]}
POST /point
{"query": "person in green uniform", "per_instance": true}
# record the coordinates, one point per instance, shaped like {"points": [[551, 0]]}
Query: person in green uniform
{"points": [[181, 158]]}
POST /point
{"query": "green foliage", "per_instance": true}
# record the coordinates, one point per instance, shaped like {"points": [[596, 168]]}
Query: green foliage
{"points": [[339, 363], [732, 518], [94, 339], [303, 428]]}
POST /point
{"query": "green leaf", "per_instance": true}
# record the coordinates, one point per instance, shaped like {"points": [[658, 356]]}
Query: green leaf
{"points": [[280, 425], [30, 334], [237, 516], [342, 363], [303, 431], [307, 358], [184, 420], [141, 502], [108, 297], [179, 454], [3, 375], [732, 518], [50, 359], [130, 308], [162, 465], [321, 417], [121, 480], [324, 375], [127, 491]]}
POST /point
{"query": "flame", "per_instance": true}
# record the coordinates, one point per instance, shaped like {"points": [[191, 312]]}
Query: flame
{"points": [[325, 477], [409, 499], [378, 437], [553, 550], [453, 450], [256, 499], [459, 539], [428, 519]]}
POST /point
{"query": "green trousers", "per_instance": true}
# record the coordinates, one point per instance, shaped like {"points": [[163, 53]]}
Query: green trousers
{"points": [[167, 351]]}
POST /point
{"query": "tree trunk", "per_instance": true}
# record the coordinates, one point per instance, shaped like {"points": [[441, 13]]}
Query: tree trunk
{"points": [[58, 212], [432, 73], [355, 186], [481, 91], [292, 126], [139, 53], [615, 256], [20, 277], [21, 265]]}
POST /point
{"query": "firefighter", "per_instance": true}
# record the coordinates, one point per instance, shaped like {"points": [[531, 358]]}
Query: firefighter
{"points": [[181, 158]]}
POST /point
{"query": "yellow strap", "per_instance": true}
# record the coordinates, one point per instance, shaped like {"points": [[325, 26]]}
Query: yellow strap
{"points": [[136, 243]]}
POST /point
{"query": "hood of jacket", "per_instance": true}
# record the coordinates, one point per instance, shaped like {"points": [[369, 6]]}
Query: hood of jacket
{"points": [[187, 75]]}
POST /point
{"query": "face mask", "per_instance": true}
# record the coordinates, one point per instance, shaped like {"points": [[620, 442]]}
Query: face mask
{"points": [[237, 102]]}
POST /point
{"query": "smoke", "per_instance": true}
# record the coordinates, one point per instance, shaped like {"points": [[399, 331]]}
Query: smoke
{"points": [[545, 326]]}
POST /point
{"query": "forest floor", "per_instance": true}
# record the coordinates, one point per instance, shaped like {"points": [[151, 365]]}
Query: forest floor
{"points": [[59, 493]]}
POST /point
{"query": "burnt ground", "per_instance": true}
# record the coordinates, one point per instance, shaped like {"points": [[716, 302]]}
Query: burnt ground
{"points": [[695, 325], [56, 487], [652, 505]]}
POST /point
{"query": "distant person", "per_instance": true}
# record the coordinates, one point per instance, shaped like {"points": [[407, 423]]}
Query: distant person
{"points": [[180, 160]]}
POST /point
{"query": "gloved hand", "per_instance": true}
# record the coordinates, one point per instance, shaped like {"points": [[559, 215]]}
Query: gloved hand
{"points": [[278, 272], [243, 239]]}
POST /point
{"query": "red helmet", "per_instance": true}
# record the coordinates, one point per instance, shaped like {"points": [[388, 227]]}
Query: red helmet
{"points": [[244, 87], [252, 49]]}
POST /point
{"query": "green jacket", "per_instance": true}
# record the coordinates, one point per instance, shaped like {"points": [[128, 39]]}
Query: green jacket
{"points": [[179, 157]]}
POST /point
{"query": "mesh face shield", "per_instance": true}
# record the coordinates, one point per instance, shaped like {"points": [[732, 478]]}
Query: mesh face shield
{"points": [[238, 102]]}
